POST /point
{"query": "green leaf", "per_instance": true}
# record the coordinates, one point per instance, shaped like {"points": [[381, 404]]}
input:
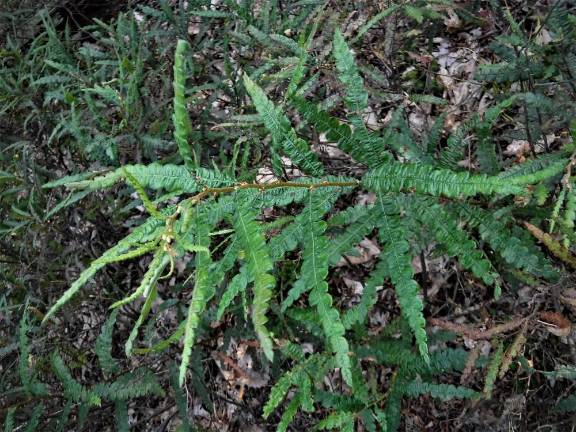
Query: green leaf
{"points": [[313, 275], [182, 125], [259, 266], [363, 146], [121, 416], [70, 199], [201, 295], [444, 392], [567, 404], [446, 231], [278, 393], [141, 318], [141, 382], [399, 260], [289, 414], [72, 389], [155, 269], [396, 177], [236, 286], [103, 347], [356, 96], [358, 313], [493, 367], [373, 21], [283, 135], [9, 420], [148, 205], [339, 419], [415, 13]]}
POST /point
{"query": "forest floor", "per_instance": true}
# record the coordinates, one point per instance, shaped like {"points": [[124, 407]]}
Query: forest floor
{"points": [[425, 63]]}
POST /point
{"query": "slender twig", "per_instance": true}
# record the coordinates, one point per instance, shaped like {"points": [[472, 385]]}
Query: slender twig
{"points": [[263, 187], [477, 333]]}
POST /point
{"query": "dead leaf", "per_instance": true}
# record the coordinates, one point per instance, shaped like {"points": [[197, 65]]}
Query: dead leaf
{"points": [[356, 286], [366, 250], [453, 21], [556, 323]]}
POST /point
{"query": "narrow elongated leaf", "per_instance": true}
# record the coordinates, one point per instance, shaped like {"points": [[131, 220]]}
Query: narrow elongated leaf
{"points": [[356, 96], [182, 125], [399, 261], [313, 275], [259, 266], [201, 295], [396, 177]]}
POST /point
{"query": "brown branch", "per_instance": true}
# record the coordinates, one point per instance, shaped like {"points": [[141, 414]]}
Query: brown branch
{"points": [[265, 186], [475, 332]]}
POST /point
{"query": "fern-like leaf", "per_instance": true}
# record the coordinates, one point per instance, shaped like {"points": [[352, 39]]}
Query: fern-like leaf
{"points": [[141, 382], [398, 258], [182, 125], [447, 232], [103, 347], [9, 420], [314, 272], [493, 367], [353, 234], [444, 392], [278, 392], [29, 381], [121, 416], [148, 205], [289, 414], [112, 255], [356, 96], [364, 146], [201, 295], [237, 285], [283, 135], [395, 177], [342, 420], [358, 313], [510, 242], [141, 318], [72, 389], [171, 178], [259, 266], [155, 269], [535, 170]]}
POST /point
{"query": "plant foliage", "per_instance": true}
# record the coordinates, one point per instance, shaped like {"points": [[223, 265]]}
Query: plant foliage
{"points": [[216, 241]]}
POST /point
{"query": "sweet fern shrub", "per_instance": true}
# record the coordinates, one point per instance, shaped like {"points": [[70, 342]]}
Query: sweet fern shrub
{"points": [[223, 178], [240, 233]]}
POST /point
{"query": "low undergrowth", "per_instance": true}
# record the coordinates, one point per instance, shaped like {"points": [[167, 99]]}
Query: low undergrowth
{"points": [[223, 166]]}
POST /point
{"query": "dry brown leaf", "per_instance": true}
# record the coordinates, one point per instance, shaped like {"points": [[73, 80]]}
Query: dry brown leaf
{"points": [[367, 252], [556, 323]]}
